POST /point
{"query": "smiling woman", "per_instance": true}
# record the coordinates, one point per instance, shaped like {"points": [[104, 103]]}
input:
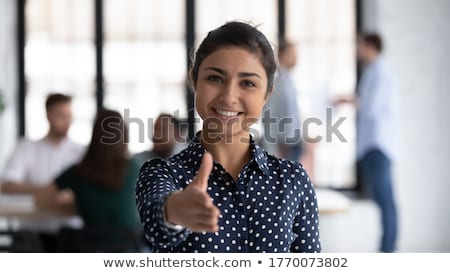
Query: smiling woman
{"points": [[224, 193]]}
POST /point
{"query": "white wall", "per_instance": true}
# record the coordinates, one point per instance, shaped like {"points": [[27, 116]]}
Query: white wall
{"points": [[8, 79], [418, 46], [417, 37]]}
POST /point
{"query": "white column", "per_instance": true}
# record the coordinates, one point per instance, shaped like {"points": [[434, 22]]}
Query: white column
{"points": [[8, 79]]}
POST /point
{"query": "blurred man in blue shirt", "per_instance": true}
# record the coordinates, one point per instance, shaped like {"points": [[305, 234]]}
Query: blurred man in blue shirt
{"points": [[376, 134]]}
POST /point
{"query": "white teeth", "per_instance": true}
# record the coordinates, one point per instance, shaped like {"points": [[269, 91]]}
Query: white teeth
{"points": [[227, 113]]}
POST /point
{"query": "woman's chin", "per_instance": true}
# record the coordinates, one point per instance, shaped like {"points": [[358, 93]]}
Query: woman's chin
{"points": [[229, 135]]}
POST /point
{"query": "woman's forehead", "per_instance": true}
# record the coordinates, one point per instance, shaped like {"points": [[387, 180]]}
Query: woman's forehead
{"points": [[233, 59]]}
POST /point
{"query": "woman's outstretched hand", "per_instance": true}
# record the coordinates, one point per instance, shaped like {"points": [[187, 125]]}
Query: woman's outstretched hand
{"points": [[192, 207]]}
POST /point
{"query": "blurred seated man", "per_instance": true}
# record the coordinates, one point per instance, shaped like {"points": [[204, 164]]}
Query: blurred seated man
{"points": [[166, 139], [35, 163]]}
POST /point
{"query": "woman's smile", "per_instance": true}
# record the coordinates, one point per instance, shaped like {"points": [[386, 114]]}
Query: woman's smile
{"points": [[226, 114]]}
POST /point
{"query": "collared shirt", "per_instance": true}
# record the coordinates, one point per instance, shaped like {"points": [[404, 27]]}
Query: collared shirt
{"points": [[272, 206], [377, 110], [40, 162]]}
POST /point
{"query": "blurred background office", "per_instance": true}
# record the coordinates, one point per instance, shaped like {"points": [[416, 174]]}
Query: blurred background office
{"points": [[133, 56]]}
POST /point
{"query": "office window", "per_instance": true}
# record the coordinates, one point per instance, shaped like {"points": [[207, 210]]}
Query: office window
{"points": [[211, 14], [144, 62], [324, 31], [60, 56]]}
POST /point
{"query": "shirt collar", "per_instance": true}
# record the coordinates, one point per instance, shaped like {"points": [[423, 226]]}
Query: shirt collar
{"points": [[376, 61], [258, 155], [62, 142]]}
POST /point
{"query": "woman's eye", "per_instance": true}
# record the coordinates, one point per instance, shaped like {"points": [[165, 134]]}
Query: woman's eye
{"points": [[248, 84], [214, 78]]}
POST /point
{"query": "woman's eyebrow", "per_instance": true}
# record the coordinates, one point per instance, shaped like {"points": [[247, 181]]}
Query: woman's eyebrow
{"points": [[248, 74], [240, 74], [215, 69]]}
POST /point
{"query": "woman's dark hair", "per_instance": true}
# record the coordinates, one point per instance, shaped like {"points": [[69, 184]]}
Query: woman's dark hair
{"points": [[240, 35], [106, 158]]}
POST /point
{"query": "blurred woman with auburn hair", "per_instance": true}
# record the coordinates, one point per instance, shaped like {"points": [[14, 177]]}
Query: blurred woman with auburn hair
{"points": [[103, 182]]}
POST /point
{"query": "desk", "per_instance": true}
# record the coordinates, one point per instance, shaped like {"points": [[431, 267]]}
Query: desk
{"points": [[332, 202], [20, 213], [23, 210], [23, 207]]}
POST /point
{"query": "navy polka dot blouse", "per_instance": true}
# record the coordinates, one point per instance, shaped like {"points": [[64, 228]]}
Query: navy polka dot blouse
{"points": [[272, 207]]}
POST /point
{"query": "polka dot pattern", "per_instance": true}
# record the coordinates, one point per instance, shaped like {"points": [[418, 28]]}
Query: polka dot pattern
{"points": [[272, 206]]}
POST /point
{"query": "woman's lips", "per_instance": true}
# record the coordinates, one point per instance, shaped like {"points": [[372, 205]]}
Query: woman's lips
{"points": [[226, 114]]}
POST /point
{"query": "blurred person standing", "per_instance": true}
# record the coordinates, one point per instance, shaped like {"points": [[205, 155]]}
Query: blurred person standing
{"points": [[281, 113], [376, 132], [35, 163], [166, 138]]}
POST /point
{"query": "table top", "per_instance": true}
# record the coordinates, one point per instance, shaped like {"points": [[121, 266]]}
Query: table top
{"points": [[22, 207], [332, 202]]}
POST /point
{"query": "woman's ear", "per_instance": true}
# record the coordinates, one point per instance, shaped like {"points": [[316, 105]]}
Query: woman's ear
{"points": [[191, 80]]}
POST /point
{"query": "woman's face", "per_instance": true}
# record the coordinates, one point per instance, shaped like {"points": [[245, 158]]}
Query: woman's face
{"points": [[230, 92]]}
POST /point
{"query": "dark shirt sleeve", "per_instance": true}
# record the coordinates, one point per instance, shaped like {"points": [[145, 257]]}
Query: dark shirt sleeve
{"points": [[64, 180], [154, 185], [306, 223], [132, 171]]}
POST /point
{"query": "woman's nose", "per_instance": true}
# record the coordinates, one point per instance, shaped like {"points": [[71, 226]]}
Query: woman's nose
{"points": [[230, 93]]}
